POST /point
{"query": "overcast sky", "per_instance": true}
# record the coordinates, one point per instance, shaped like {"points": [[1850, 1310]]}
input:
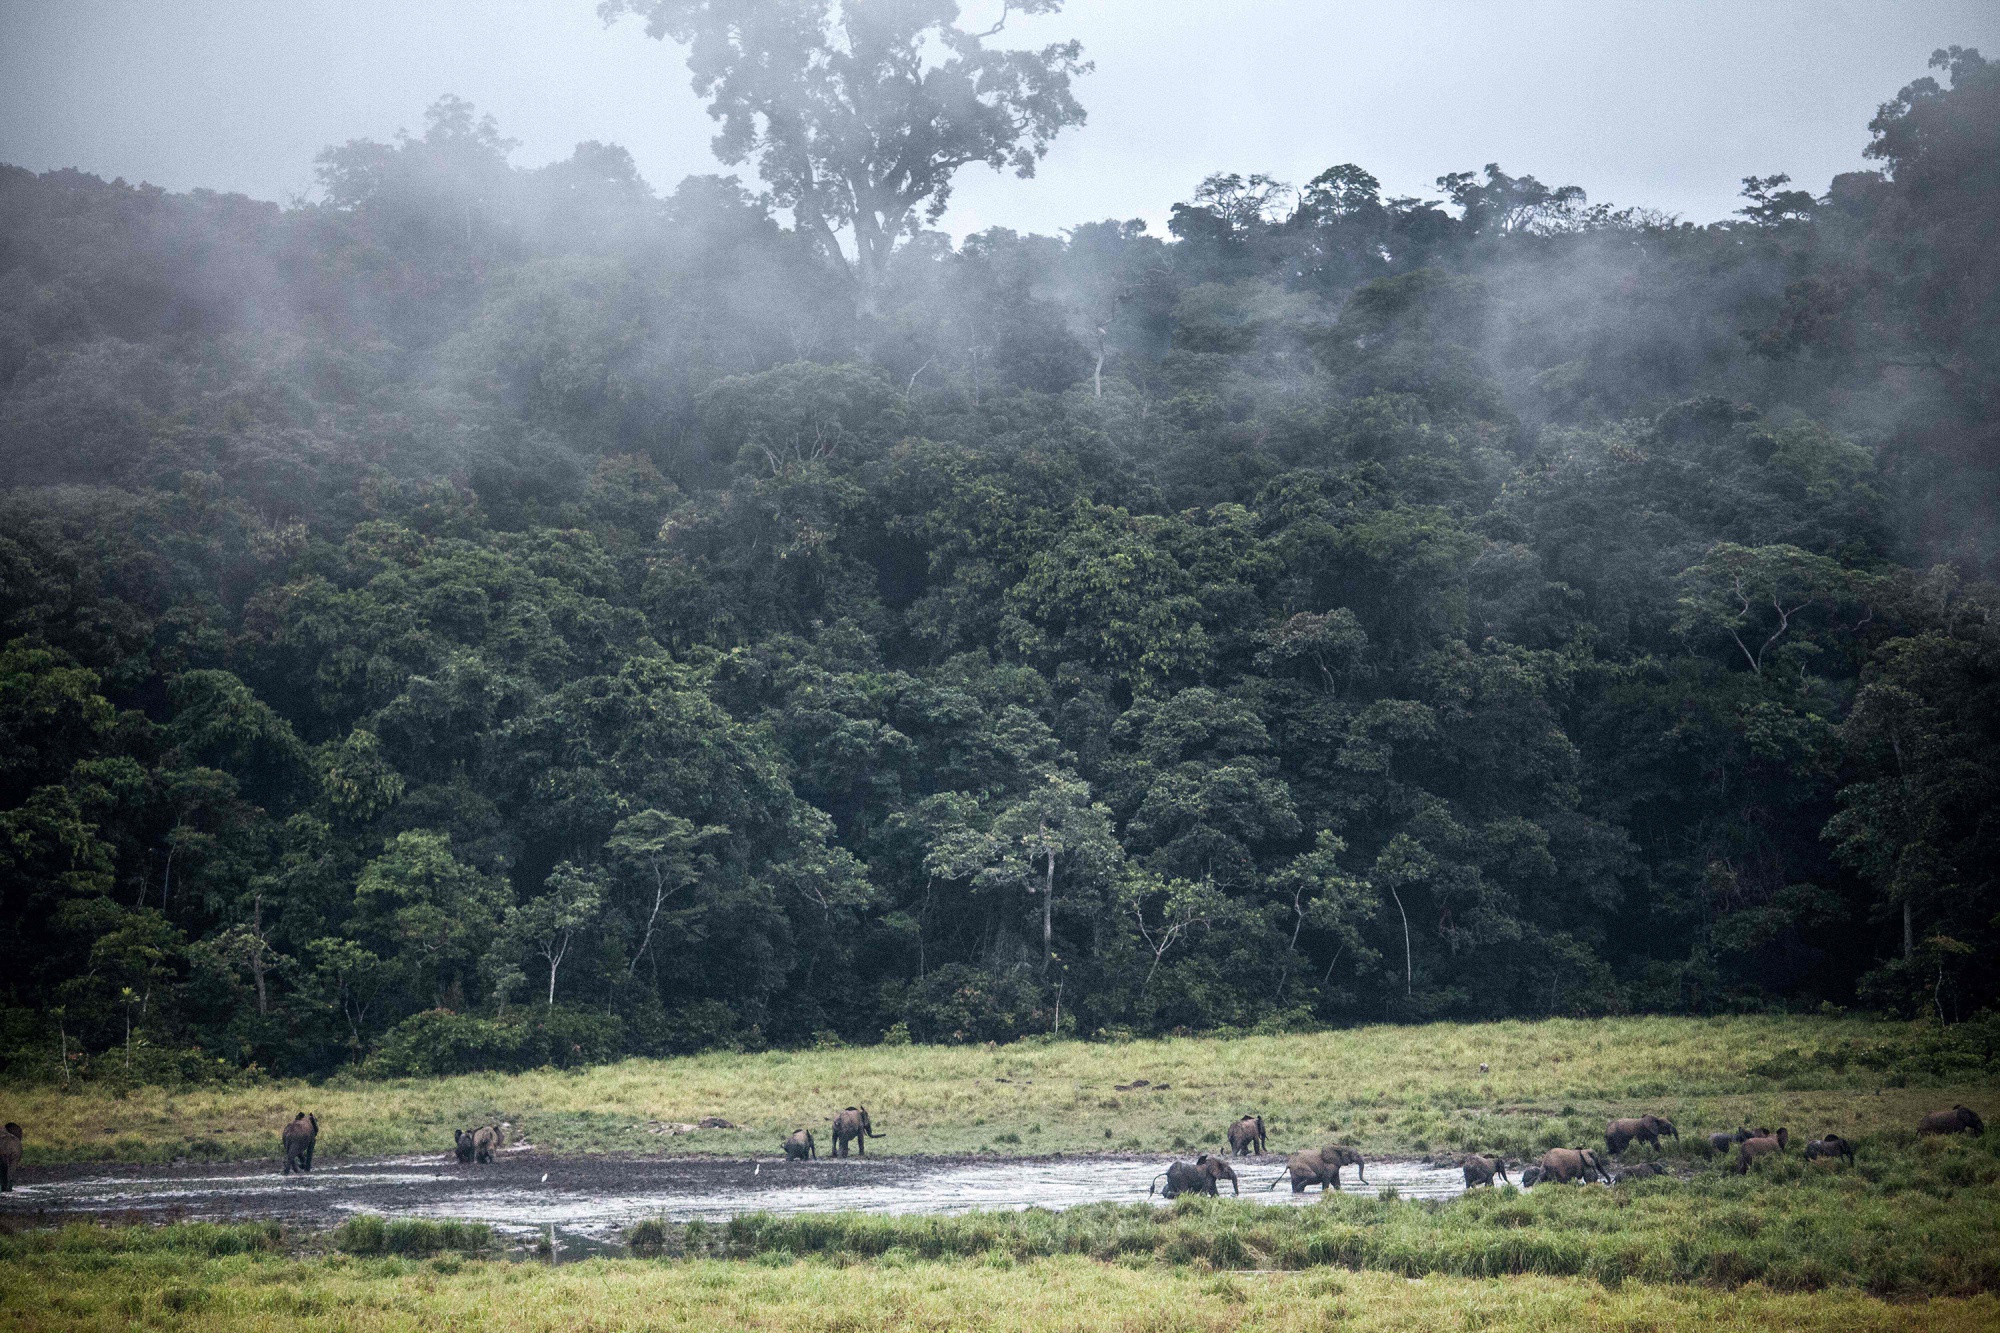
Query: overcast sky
{"points": [[1666, 103]]}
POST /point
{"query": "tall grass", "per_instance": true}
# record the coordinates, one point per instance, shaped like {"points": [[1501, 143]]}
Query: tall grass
{"points": [[898, 1294], [369, 1235], [1386, 1089]]}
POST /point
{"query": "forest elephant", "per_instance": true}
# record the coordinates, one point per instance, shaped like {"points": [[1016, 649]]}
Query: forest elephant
{"points": [[461, 1141], [799, 1147], [1619, 1134], [1530, 1177], [1639, 1171], [299, 1137], [11, 1136], [853, 1123], [1568, 1165], [1722, 1141], [1196, 1177], [486, 1141], [1959, 1119], [1247, 1135], [1321, 1167], [1763, 1145], [1481, 1170], [1831, 1146]]}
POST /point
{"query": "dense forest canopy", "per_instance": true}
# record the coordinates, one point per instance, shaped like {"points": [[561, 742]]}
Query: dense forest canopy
{"points": [[503, 614]]}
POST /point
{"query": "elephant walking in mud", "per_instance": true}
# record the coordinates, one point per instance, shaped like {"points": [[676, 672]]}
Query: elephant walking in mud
{"points": [[799, 1147], [1648, 1129], [1321, 1167], [1641, 1171], [11, 1137], [1958, 1120], [1764, 1145], [299, 1137], [1197, 1177], [1567, 1165], [461, 1145], [1831, 1146], [853, 1124], [1247, 1135], [1481, 1170]]}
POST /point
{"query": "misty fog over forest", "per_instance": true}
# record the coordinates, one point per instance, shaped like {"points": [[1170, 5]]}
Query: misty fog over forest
{"points": [[498, 612]]}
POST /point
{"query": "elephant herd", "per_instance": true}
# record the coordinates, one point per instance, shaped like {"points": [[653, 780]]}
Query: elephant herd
{"points": [[1246, 1137], [1322, 1166], [850, 1126], [1317, 1166]]}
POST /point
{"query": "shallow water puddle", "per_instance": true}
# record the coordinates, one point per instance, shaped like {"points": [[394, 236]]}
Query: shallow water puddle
{"points": [[598, 1197]]}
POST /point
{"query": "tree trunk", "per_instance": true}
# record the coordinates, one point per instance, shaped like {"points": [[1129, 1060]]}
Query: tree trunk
{"points": [[257, 967], [1049, 912], [1407, 970], [1909, 936]]}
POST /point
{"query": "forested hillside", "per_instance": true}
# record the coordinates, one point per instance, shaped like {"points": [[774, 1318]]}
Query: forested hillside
{"points": [[499, 614]]}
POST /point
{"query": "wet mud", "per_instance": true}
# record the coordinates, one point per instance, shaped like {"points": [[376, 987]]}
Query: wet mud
{"points": [[597, 1197]]}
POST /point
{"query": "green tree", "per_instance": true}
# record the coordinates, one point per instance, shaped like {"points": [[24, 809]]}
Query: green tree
{"points": [[860, 116], [659, 855], [431, 913], [546, 925], [1053, 823]]}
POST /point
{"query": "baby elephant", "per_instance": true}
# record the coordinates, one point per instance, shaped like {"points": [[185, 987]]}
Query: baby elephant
{"points": [[1531, 1177], [1481, 1170], [298, 1138], [11, 1136], [1763, 1145], [1247, 1135], [1196, 1178], [1640, 1171], [1831, 1146], [461, 1145], [1723, 1142], [487, 1140], [799, 1147], [1959, 1119]]}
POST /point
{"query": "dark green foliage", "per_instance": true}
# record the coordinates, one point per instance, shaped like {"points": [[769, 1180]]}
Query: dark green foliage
{"points": [[497, 617], [441, 1042]]}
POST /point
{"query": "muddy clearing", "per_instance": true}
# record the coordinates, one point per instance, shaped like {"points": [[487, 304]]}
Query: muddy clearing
{"points": [[595, 1198]]}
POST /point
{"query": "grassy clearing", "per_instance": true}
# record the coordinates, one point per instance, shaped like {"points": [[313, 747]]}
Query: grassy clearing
{"points": [[1386, 1089], [86, 1278]]}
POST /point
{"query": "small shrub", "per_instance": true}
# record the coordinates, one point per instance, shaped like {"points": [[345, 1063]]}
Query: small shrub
{"points": [[371, 1235], [647, 1239]]}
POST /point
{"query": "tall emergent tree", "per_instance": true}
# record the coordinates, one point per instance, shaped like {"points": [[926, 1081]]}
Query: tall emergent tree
{"points": [[860, 113]]}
